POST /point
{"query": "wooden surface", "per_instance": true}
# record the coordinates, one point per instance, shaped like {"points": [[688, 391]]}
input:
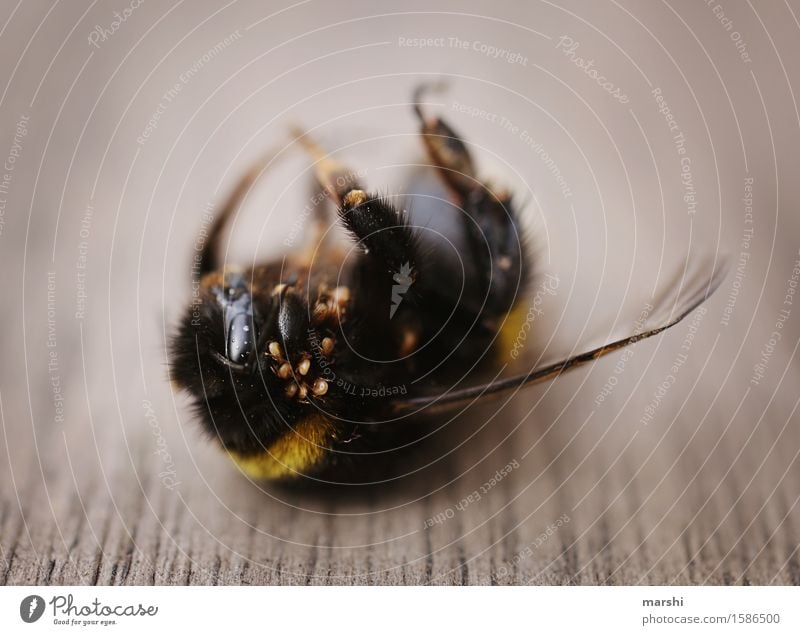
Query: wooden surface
{"points": [[122, 489]]}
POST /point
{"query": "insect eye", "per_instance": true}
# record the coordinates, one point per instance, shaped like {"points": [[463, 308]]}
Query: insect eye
{"points": [[240, 322], [240, 341]]}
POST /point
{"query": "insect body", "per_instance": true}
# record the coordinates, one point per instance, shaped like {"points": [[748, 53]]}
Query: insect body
{"points": [[307, 366]]}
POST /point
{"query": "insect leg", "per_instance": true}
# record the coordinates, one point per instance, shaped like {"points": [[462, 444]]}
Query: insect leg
{"points": [[494, 241], [445, 148], [381, 230], [498, 251], [210, 254], [385, 275], [334, 177]]}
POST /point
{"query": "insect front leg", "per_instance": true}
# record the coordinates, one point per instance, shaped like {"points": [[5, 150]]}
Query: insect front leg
{"points": [[211, 256], [381, 230], [334, 177], [388, 274]]}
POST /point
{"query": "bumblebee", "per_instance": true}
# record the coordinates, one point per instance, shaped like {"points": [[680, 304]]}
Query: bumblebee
{"points": [[319, 363]]}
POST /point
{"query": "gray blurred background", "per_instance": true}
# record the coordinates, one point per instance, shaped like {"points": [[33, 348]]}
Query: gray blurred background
{"points": [[641, 136]]}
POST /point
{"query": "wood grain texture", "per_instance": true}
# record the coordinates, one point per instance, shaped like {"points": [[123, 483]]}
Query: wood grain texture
{"points": [[123, 489]]}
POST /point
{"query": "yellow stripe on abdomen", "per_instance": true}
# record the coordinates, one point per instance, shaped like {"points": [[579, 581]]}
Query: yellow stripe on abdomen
{"points": [[296, 452]]}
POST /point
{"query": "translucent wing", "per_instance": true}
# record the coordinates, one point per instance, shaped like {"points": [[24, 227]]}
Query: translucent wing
{"points": [[679, 299]]}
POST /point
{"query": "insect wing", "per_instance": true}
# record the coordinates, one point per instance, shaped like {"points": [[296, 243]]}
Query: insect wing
{"points": [[691, 286]]}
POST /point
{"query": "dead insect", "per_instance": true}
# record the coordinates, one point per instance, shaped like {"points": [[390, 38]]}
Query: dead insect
{"points": [[304, 367]]}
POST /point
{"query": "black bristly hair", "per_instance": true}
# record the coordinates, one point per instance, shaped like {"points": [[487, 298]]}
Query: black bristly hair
{"points": [[234, 403]]}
